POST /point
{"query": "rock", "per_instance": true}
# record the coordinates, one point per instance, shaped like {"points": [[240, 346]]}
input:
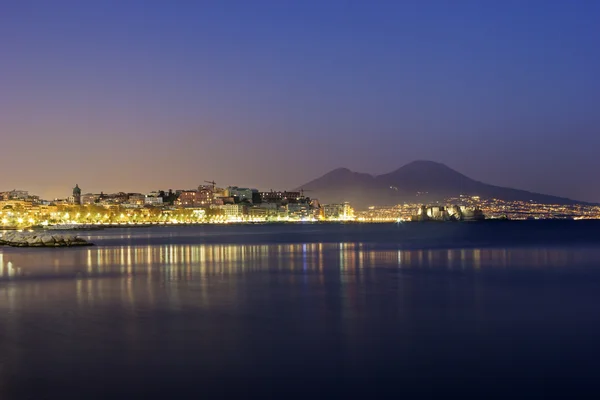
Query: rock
{"points": [[33, 239], [48, 240], [69, 239]]}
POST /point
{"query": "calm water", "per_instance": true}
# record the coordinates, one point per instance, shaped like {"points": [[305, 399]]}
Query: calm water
{"points": [[314, 311]]}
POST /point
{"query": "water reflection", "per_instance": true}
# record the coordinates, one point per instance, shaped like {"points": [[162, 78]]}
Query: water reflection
{"points": [[217, 308], [88, 272], [188, 262]]}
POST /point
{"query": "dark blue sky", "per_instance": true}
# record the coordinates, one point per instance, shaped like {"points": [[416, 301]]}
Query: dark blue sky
{"points": [[136, 95]]}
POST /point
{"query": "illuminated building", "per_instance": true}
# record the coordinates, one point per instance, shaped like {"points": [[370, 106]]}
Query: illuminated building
{"points": [[206, 195], [234, 211], [258, 213], [343, 212], [153, 201], [188, 198], [299, 211]]}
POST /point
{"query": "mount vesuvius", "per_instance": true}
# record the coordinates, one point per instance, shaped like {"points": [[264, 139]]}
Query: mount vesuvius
{"points": [[416, 182]]}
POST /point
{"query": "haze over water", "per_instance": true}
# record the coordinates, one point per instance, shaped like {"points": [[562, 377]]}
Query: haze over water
{"points": [[319, 310]]}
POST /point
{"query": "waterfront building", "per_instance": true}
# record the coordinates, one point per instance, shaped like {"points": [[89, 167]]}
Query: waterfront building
{"points": [[299, 211], [343, 212], [387, 214], [234, 211], [258, 213], [15, 204]]}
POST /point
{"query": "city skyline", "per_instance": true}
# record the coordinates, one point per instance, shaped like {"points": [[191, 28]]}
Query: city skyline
{"points": [[142, 95], [418, 178]]}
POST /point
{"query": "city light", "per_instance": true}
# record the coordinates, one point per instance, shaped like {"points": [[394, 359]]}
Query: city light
{"points": [[241, 205]]}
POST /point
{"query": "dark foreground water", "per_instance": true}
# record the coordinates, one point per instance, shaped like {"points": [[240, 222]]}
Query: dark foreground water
{"points": [[502, 310]]}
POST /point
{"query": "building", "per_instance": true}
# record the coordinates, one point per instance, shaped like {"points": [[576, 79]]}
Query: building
{"points": [[188, 198], [112, 199], [239, 194], [258, 213], [76, 195], [89, 198], [206, 195], [219, 192], [338, 212], [299, 211], [280, 197], [15, 204], [234, 211], [153, 201], [14, 195], [136, 199]]}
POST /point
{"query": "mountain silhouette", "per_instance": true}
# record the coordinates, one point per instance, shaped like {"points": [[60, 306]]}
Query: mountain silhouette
{"points": [[416, 182]]}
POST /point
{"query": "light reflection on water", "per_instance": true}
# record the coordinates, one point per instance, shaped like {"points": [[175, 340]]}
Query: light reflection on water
{"points": [[261, 310], [185, 262], [100, 273]]}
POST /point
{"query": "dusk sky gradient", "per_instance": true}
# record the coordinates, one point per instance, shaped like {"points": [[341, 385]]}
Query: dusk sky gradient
{"points": [[131, 96]]}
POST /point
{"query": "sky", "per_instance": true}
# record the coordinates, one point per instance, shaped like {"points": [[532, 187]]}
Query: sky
{"points": [[137, 95]]}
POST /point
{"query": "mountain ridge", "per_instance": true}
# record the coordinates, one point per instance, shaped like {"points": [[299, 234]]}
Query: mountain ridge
{"points": [[420, 181]]}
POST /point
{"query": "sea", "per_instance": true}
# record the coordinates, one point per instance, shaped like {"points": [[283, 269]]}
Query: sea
{"points": [[493, 309]]}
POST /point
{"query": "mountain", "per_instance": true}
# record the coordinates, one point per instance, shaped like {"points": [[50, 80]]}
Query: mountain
{"points": [[416, 182]]}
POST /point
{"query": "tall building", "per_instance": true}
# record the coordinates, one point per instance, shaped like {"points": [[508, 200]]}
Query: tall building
{"points": [[76, 195]]}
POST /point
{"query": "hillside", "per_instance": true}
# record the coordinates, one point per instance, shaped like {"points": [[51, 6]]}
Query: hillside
{"points": [[416, 182]]}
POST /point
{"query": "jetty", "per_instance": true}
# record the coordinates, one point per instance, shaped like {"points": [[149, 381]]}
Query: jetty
{"points": [[35, 239]]}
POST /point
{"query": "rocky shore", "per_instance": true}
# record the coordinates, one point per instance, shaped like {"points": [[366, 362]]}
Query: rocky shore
{"points": [[35, 239], [81, 227]]}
